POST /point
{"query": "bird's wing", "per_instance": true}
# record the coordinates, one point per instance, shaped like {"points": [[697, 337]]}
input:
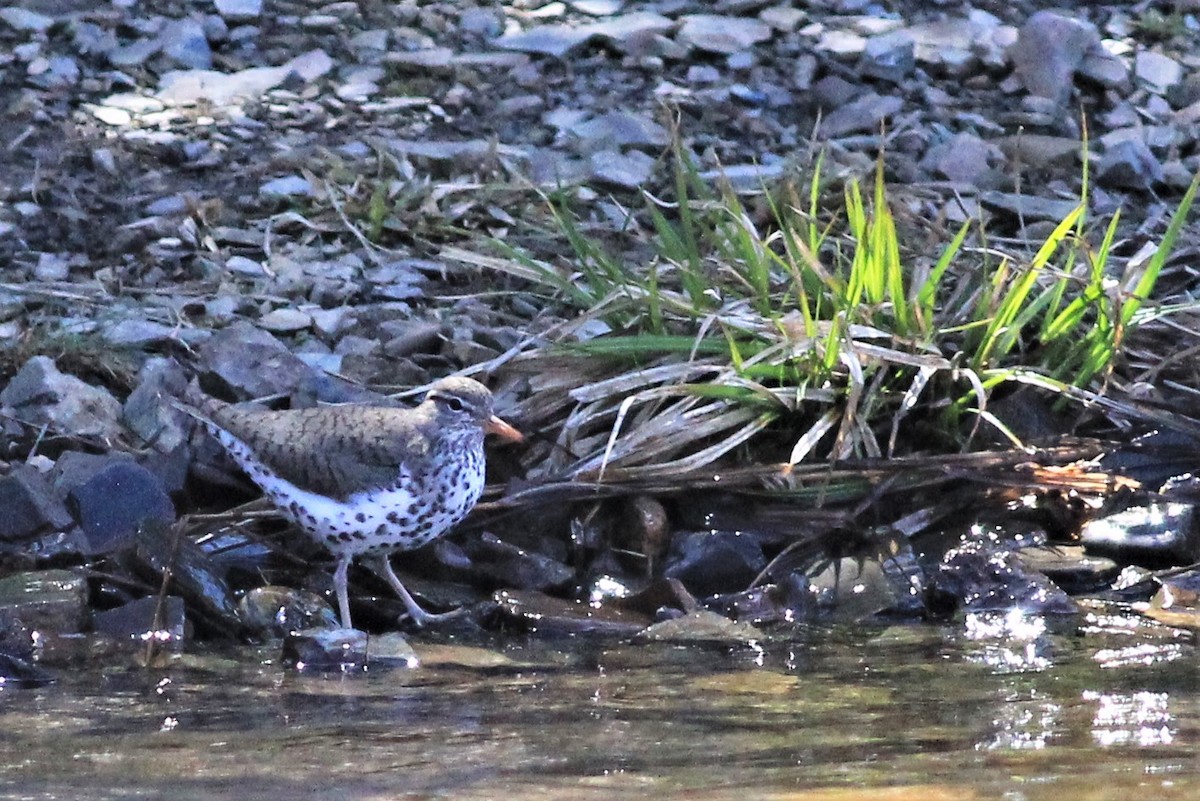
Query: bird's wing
{"points": [[333, 454]]}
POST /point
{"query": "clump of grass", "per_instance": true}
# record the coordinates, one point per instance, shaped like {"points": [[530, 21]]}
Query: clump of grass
{"points": [[814, 323]]}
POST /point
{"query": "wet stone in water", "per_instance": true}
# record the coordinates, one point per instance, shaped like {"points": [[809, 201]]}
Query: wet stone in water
{"points": [[276, 612], [323, 650], [142, 619], [51, 600], [980, 578]]}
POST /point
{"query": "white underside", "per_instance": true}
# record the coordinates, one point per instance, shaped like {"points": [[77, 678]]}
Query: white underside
{"points": [[332, 518]]}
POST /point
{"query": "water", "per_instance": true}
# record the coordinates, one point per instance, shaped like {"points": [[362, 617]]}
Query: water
{"points": [[1005, 707]]}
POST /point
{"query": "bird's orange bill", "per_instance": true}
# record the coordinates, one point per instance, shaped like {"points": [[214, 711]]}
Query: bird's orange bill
{"points": [[502, 429]]}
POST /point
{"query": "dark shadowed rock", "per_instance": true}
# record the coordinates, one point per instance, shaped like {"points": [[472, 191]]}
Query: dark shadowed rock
{"points": [[509, 566], [1129, 164], [323, 650], [864, 115], [194, 575], [28, 506], [112, 504], [711, 562]]}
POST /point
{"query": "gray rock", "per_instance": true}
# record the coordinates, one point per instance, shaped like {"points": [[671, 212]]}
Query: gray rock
{"points": [[1106, 69], [624, 170], [1029, 207], [41, 395], [184, 42], [288, 187], [112, 504], [29, 506], [1049, 49], [76, 467], [134, 54], [148, 412], [842, 44], [285, 321], [783, 18], [138, 333], [863, 115], [1129, 165], [239, 10], [965, 158], [486, 22], [1038, 150], [720, 34], [625, 29], [556, 41], [56, 72], [24, 20], [251, 363], [47, 600], [1156, 72], [890, 57], [137, 621], [240, 265], [188, 87], [618, 129], [52, 267]]}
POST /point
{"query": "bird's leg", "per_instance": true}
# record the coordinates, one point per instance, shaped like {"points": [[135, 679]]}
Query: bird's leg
{"points": [[340, 587], [383, 567]]}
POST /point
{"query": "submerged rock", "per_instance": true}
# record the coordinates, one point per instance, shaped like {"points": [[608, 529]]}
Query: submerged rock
{"points": [[702, 626]]}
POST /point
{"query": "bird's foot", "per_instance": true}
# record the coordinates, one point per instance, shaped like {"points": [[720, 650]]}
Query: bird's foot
{"points": [[420, 618]]}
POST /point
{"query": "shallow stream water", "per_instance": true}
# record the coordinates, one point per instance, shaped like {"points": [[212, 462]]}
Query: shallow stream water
{"points": [[1101, 707]]}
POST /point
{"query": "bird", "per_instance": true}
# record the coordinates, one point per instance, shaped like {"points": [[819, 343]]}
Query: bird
{"points": [[366, 481]]}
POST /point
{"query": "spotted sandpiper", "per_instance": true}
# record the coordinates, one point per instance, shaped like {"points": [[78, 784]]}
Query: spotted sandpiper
{"points": [[367, 481]]}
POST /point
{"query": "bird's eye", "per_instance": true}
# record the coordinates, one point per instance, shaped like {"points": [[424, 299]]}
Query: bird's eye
{"points": [[455, 404]]}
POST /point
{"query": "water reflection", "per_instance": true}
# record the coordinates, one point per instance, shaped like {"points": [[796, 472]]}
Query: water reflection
{"points": [[989, 707]]}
